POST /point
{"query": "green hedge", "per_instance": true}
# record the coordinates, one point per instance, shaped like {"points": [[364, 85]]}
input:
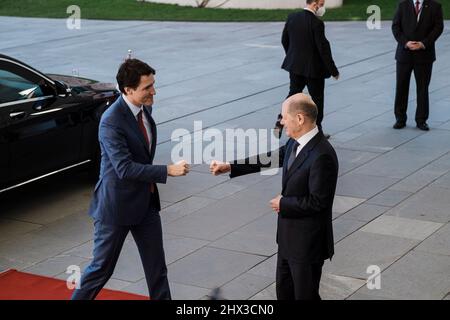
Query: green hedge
{"points": [[134, 10]]}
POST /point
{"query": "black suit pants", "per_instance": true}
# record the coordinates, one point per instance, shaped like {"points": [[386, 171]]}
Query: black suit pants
{"points": [[316, 88], [297, 281], [422, 73]]}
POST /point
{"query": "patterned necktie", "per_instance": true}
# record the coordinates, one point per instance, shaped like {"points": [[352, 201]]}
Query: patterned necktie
{"points": [[417, 7], [145, 134], [293, 154]]}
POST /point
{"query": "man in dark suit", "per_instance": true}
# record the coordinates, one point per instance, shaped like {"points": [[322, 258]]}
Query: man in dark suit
{"points": [[126, 196], [308, 55], [416, 26], [304, 208]]}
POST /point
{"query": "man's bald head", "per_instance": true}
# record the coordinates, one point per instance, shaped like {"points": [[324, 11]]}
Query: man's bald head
{"points": [[301, 103]]}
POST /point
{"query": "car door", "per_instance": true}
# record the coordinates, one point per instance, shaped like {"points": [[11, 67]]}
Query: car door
{"points": [[43, 132], [4, 151]]}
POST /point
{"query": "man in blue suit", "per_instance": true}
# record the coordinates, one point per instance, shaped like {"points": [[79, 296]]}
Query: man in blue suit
{"points": [[126, 196]]}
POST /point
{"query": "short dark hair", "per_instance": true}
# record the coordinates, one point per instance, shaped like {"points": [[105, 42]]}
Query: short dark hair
{"points": [[130, 72], [311, 1]]}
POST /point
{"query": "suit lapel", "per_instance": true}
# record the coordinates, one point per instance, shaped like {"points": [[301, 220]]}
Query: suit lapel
{"points": [[301, 158], [153, 131], [286, 157], [423, 12], [131, 120], [303, 155], [412, 12]]}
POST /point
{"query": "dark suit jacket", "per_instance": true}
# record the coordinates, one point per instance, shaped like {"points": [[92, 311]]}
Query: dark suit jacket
{"points": [[122, 194], [307, 49], [406, 28], [305, 233]]}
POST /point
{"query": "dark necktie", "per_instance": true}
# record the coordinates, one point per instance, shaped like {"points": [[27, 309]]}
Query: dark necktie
{"points": [[417, 8], [293, 154], [145, 134], [142, 127]]}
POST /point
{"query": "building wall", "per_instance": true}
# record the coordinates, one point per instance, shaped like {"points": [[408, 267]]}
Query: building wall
{"points": [[253, 4]]}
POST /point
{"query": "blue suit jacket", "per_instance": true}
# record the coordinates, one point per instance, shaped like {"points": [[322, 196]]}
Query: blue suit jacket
{"points": [[122, 194]]}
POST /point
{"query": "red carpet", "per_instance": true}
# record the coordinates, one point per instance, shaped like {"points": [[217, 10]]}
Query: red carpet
{"points": [[15, 285]]}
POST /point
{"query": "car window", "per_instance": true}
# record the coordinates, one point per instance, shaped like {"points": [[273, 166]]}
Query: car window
{"points": [[14, 87]]}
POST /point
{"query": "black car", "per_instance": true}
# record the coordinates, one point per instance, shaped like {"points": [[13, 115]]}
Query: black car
{"points": [[48, 123]]}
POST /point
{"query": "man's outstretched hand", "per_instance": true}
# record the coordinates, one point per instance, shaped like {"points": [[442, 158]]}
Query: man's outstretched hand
{"points": [[178, 169], [218, 167]]}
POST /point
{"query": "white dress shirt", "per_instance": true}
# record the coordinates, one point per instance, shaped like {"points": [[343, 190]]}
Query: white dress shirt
{"points": [[303, 140], [135, 110]]}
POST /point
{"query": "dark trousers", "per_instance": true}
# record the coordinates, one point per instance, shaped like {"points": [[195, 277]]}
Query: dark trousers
{"points": [[316, 88], [108, 242], [297, 281], [422, 73]]}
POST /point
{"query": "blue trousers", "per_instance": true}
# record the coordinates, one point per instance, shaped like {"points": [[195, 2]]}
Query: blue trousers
{"points": [[108, 242]]}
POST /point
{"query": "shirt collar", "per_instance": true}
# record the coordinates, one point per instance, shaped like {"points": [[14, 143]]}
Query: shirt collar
{"points": [[414, 2], [303, 140], [308, 9], [134, 109]]}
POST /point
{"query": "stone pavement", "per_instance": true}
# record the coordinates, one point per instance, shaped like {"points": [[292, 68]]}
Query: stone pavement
{"points": [[392, 207]]}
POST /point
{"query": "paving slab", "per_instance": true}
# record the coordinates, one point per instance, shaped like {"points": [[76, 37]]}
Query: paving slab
{"points": [[30, 248], [442, 182], [389, 198], [176, 247], [244, 286], [10, 228], [266, 268], [362, 186], [257, 237], [343, 204], [438, 242], [358, 251], [366, 212], [334, 287], [342, 227], [402, 227], [221, 218], [430, 204], [211, 267], [183, 208], [268, 293], [57, 265], [416, 276]]}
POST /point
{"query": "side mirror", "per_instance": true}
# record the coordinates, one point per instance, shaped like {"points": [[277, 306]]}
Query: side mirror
{"points": [[62, 90]]}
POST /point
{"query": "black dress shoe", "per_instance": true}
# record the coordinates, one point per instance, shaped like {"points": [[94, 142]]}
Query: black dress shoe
{"points": [[399, 125], [423, 126]]}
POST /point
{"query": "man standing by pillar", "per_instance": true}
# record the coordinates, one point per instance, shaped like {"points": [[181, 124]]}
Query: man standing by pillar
{"points": [[308, 55], [416, 27]]}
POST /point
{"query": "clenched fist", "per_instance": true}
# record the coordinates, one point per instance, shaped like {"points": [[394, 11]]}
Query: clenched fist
{"points": [[218, 167], [178, 169], [275, 203]]}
